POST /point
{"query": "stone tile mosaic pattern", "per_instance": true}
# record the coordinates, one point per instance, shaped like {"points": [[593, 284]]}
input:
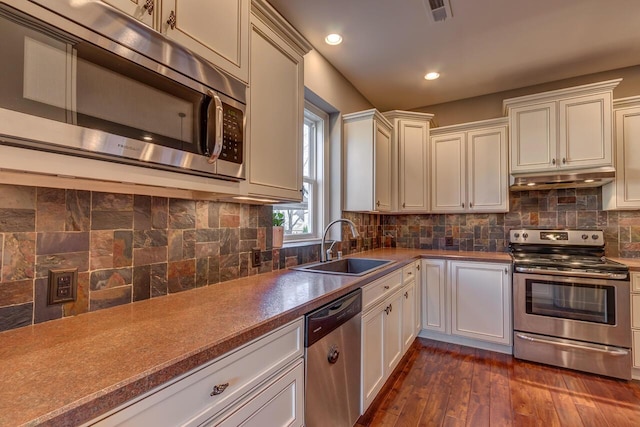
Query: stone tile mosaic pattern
{"points": [[130, 247], [126, 248]]}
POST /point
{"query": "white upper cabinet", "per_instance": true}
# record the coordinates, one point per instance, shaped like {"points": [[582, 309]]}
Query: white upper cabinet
{"points": [[143, 10], [624, 191], [562, 129], [409, 160], [367, 162], [276, 106], [469, 167], [217, 30]]}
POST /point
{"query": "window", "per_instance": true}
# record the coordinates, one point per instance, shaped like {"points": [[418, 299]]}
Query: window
{"points": [[303, 221]]}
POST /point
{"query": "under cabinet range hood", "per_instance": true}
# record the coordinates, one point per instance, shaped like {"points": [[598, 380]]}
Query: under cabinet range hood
{"points": [[595, 177]]}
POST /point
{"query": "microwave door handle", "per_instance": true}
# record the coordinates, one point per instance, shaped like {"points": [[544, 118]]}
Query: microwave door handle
{"points": [[217, 144]]}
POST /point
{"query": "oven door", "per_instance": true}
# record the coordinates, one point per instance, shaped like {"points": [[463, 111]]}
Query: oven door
{"points": [[583, 309]]}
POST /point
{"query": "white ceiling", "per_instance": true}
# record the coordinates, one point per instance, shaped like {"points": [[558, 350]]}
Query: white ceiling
{"points": [[487, 46]]}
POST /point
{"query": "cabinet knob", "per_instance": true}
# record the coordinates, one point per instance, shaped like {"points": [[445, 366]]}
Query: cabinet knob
{"points": [[387, 310], [148, 6], [171, 22], [418, 267], [463, 204], [403, 205], [506, 270], [219, 389], [553, 161], [470, 204], [564, 161], [378, 203], [406, 295], [386, 287]]}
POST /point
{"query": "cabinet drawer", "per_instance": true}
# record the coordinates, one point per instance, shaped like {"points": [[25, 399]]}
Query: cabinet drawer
{"points": [[187, 401], [409, 273], [635, 282], [279, 403], [378, 290]]}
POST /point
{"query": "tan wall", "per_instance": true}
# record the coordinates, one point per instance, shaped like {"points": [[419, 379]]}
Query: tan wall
{"points": [[490, 106], [326, 82]]}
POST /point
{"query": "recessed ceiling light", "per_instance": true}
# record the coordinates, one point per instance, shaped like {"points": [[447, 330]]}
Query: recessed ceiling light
{"points": [[333, 39], [432, 76]]}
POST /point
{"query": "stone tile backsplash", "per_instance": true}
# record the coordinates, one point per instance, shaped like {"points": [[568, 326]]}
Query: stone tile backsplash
{"points": [[131, 247]]}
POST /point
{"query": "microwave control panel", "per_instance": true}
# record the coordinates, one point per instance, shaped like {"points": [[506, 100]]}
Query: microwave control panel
{"points": [[232, 134]]}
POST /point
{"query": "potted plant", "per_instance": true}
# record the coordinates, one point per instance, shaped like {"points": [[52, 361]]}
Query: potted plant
{"points": [[278, 229]]}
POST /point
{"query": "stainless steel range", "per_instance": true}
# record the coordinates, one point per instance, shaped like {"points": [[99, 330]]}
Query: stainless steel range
{"points": [[570, 304]]}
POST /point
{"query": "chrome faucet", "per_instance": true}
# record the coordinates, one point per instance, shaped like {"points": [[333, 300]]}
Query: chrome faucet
{"points": [[354, 232]]}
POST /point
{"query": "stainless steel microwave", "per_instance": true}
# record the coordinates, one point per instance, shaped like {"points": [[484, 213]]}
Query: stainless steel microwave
{"points": [[79, 77]]}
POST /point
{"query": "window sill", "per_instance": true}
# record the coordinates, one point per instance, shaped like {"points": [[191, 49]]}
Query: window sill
{"points": [[301, 243]]}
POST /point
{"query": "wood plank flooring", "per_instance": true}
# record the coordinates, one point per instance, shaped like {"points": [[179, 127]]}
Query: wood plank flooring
{"points": [[440, 384]]}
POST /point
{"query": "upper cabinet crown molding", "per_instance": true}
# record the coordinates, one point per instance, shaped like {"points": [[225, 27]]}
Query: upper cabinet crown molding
{"points": [[367, 114], [555, 95], [632, 101], [407, 115], [265, 12], [463, 127]]}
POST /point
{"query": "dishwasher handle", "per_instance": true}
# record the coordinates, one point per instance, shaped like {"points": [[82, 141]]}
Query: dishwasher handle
{"points": [[330, 317]]}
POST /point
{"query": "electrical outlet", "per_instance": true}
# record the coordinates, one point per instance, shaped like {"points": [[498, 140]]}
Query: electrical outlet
{"points": [[448, 241], [63, 285], [256, 260], [354, 243]]}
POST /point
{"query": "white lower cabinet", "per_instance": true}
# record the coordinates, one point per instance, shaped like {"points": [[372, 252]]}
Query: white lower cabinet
{"points": [[635, 323], [481, 301], [467, 303], [409, 307], [260, 383], [388, 329]]}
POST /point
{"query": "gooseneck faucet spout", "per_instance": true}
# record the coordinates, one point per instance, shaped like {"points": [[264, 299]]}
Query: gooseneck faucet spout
{"points": [[354, 232]]}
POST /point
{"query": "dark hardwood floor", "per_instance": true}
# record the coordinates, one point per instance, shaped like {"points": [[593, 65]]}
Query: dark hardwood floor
{"points": [[440, 384]]}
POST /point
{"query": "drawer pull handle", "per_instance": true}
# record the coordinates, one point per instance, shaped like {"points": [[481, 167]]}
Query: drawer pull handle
{"points": [[386, 287], [219, 389], [171, 22]]}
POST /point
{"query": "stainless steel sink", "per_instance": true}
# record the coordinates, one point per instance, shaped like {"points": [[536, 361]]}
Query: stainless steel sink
{"points": [[345, 266]]}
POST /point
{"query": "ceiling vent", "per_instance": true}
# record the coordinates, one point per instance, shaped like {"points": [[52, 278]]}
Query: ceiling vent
{"points": [[438, 10]]}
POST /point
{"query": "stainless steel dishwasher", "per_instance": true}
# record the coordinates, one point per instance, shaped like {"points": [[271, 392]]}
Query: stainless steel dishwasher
{"points": [[332, 349]]}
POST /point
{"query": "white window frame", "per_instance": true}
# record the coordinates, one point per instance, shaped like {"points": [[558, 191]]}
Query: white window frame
{"points": [[318, 197]]}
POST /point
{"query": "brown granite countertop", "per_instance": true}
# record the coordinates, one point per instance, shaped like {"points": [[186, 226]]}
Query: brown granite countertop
{"points": [[632, 263], [68, 371]]}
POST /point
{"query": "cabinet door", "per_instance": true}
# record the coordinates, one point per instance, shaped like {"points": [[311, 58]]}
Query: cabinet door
{"points": [[408, 315], [628, 158], [585, 131], [481, 301], [487, 170], [217, 30], [533, 137], [143, 10], [413, 166], [418, 299], [276, 114], [393, 346], [279, 403], [433, 295], [448, 173], [373, 363], [382, 174]]}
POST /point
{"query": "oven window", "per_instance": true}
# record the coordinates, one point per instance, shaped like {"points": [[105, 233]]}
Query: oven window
{"points": [[588, 303]]}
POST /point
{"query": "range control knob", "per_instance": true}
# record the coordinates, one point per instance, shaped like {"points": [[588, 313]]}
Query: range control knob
{"points": [[594, 237], [525, 235], [516, 235], [585, 237]]}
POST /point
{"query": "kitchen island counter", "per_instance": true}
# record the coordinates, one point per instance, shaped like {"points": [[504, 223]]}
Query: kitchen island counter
{"points": [[68, 371]]}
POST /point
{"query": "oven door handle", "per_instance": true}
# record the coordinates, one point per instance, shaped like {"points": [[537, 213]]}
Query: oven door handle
{"points": [[614, 276], [586, 346]]}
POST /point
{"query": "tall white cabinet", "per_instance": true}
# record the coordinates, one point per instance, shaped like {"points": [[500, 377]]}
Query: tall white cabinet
{"points": [[276, 106], [367, 162], [469, 167], [624, 191], [409, 160], [562, 129]]}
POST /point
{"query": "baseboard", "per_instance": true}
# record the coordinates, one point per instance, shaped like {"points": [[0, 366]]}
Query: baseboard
{"points": [[469, 342]]}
